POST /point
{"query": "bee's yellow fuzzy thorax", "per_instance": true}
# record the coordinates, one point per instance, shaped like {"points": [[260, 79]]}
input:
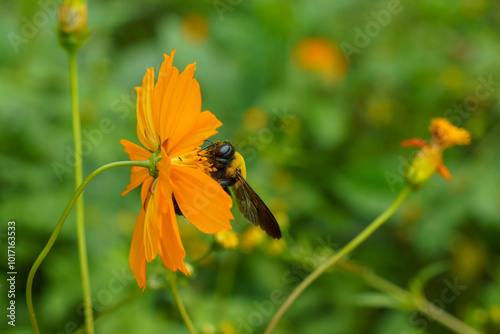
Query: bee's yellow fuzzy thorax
{"points": [[239, 163]]}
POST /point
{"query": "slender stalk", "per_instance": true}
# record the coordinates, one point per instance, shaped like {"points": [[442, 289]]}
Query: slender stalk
{"points": [[173, 284], [416, 302], [375, 281], [53, 237], [337, 257], [80, 218], [446, 319]]}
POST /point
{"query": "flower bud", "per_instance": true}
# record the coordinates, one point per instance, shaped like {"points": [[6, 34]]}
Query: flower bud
{"points": [[73, 17], [423, 166]]}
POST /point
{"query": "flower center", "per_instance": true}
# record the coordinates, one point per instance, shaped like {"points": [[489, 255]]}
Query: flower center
{"points": [[194, 159]]}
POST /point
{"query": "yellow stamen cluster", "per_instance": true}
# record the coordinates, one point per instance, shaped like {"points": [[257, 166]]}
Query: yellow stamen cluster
{"points": [[445, 134], [195, 159]]}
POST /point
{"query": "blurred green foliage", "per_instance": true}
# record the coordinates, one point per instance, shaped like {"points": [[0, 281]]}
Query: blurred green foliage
{"points": [[330, 165]]}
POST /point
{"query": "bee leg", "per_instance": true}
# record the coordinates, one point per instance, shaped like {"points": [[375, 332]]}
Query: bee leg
{"points": [[176, 207], [225, 184]]}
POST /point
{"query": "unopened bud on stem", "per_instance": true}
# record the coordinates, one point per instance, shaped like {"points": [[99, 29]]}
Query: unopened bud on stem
{"points": [[73, 17]]}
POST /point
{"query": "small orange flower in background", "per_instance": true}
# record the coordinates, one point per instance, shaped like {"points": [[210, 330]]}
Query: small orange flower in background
{"points": [[195, 27], [171, 127], [430, 157], [321, 55]]}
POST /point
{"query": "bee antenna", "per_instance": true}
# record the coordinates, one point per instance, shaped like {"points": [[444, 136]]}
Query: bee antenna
{"points": [[211, 144]]}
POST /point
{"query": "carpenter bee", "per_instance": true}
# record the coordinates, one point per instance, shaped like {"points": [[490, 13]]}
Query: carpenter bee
{"points": [[231, 172]]}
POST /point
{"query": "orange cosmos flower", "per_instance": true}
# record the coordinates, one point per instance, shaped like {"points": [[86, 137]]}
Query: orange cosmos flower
{"points": [[321, 55], [430, 157], [171, 127]]}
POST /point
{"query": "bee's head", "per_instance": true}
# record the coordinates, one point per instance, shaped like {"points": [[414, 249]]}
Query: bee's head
{"points": [[220, 154], [224, 150]]}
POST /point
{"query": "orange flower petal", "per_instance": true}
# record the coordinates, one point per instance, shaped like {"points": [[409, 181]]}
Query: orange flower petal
{"points": [[165, 185], [205, 127], [136, 258], [172, 250], [138, 174], [414, 142], [167, 71], [151, 225], [202, 200], [446, 134], [146, 130], [135, 152], [189, 107], [146, 187], [181, 103], [444, 172]]}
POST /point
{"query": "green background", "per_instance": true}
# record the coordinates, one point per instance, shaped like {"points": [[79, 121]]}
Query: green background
{"points": [[334, 165]]}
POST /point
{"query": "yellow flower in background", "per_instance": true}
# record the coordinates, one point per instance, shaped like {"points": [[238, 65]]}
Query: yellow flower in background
{"points": [[251, 238], [494, 311], [227, 239], [430, 157], [276, 247], [321, 55], [255, 118], [171, 127], [227, 328]]}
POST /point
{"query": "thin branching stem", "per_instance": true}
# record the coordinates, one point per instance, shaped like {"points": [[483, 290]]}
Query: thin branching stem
{"points": [[173, 284], [57, 229], [338, 256]]}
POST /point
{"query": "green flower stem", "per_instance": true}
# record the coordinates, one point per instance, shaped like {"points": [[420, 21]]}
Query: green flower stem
{"points": [[53, 237], [80, 219], [443, 317], [173, 284], [338, 256], [408, 300]]}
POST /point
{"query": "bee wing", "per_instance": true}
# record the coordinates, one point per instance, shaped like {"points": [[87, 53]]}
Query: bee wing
{"points": [[254, 209]]}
